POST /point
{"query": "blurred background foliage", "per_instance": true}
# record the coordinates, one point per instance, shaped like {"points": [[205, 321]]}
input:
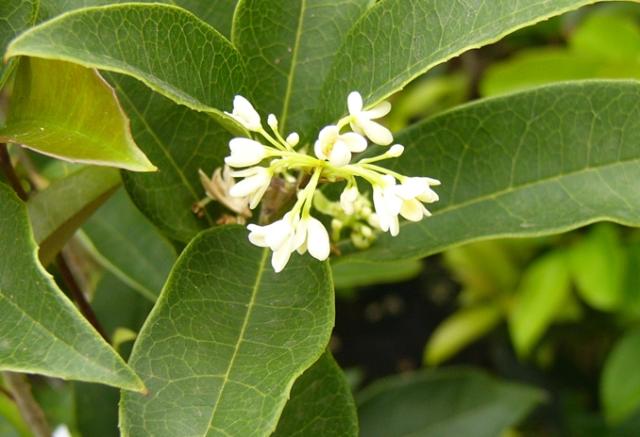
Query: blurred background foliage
{"points": [[527, 337]]}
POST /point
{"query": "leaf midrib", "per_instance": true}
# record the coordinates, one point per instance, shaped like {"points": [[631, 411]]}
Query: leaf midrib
{"points": [[245, 323], [292, 69]]}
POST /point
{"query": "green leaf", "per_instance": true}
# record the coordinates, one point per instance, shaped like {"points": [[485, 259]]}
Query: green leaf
{"points": [[459, 330], [227, 339], [15, 16], [218, 13], [116, 306], [71, 113], [289, 47], [129, 246], [599, 268], [180, 141], [398, 40], [204, 70], [42, 332], [320, 405], [59, 210], [620, 385], [536, 163], [361, 274], [542, 293], [443, 403]]}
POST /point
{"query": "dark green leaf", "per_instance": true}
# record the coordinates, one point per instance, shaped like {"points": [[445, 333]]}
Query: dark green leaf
{"points": [[180, 141], [227, 339], [620, 387], [70, 112], [59, 210], [289, 47], [166, 47], [534, 163], [320, 405], [397, 40], [42, 332], [129, 246], [443, 403]]}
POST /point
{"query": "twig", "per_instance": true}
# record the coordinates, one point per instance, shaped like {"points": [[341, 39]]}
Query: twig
{"points": [[78, 296], [10, 174], [6, 393], [31, 412]]}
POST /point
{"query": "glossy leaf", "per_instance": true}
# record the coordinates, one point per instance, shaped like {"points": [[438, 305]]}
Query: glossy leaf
{"points": [[459, 330], [82, 122], [398, 40], [59, 210], [129, 246], [218, 13], [620, 386], [15, 16], [180, 142], [320, 405], [599, 268], [205, 71], [542, 293], [289, 47], [443, 403], [535, 163], [42, 332], [227, 339]]}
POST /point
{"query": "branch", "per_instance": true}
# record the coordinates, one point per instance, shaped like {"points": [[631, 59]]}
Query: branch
{"points": [[31, 412], [10, 174]]}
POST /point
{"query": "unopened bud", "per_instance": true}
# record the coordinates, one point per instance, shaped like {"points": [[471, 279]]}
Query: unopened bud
{"points": [[293, 139], [395, 150], [272, 121]]}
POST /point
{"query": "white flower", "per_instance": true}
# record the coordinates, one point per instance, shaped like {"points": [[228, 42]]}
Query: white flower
{"points": [[312, 236], [254, 185], [361, 121], [414, 191], [388, 205], [245, 152], [336, 147], [293, 139], [279, 236], [245, 114], [395, 151], [348, 198]]}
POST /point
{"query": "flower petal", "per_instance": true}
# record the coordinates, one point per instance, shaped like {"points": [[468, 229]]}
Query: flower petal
{"points": [[376, 132], [412, 210], [280, 258], [340, 154], [318, 240], [354, 103], [380, 110], [356, 142]]}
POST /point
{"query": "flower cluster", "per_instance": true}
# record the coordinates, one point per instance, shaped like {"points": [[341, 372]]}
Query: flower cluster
{"points": [[269, 156]]}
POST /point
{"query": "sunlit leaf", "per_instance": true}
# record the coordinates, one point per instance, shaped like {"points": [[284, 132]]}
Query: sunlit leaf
{"points": [[543, 290], [620, 385], [71, 113]]}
